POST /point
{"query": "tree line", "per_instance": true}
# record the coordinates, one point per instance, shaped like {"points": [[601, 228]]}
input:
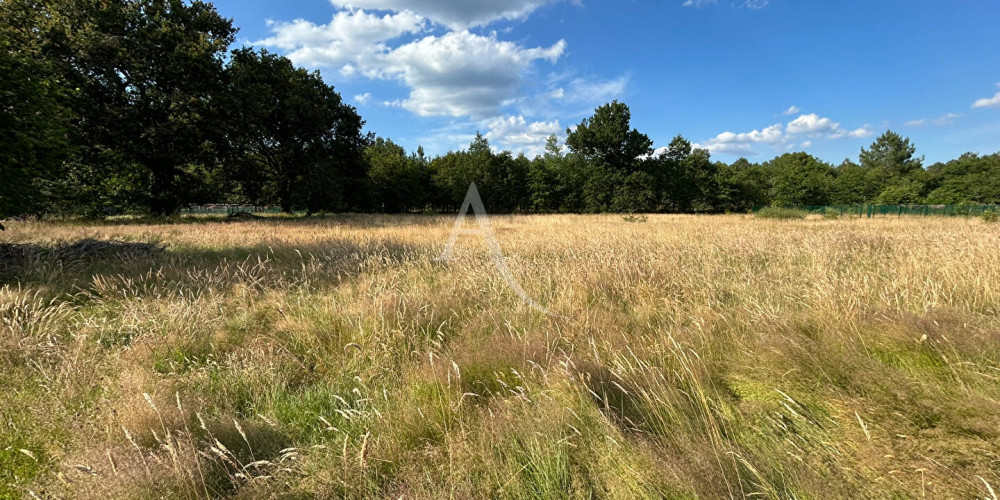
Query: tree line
{"points": [[607, 166], [138, 106]]}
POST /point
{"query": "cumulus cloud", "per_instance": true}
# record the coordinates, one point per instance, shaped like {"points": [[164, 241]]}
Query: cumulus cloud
{"points": [[861, 133], [456, 14], [455, 74], [743, 143], [515, 133], [348, 38], [800, 132], [988, 102], [858, 133], [812, 124], [461, 73]]}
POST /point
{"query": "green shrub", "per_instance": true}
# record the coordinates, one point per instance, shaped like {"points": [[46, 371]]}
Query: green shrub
{"points": [[781, 213], [831, 213], [635, 218], [991, 216]]}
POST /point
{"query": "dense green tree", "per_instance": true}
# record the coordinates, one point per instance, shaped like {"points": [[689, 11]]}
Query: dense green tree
{"points": [[747, 186], [902, 192], [150, 74], [969, 179], [294, 140], [502, 179], [400, 182], [891, 154], [614, 154], [556, 180], [453, 172], [634, 192], [33, 121], [607, 140], [855, 184], [686, 178], [508, 180], [890, 173], [800, 179]]}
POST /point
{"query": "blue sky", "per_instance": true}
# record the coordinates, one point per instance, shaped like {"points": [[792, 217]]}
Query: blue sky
{"points": [[752, 78]]}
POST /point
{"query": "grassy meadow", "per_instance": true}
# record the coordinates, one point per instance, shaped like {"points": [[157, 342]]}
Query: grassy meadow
{"points": [[699, 357]]}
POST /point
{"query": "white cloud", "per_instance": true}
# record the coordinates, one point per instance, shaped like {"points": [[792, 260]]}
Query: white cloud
{"points": [[742, 143], [812, 124], [805, 128], [516, 134], [455, 74], [755, 4], [858, 133], [861, 133], [988, 102], [698, 3], [347, 40], [363, 98], [460, 73], [945, 119], [792, 110], [456, 14]]}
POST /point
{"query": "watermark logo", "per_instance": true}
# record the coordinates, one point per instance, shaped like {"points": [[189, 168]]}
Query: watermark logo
{"points": [[472, 199]]}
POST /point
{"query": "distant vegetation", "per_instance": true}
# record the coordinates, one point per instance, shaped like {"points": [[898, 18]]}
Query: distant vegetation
{"points": [[135, 106]]}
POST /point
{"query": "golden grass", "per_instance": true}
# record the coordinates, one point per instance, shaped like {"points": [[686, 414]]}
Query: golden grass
{"points": [[701, 357]]}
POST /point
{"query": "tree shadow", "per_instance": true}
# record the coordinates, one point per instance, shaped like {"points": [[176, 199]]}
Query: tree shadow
{"points": [[84, 265]]}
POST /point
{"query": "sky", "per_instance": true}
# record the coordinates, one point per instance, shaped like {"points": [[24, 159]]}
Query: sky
{"points": [[742, 78]]}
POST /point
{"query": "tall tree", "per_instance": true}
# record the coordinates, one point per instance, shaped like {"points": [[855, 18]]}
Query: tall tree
{"points": [[606, 138], [150, 74], [399, 182], [747, 186], [891, 154], [294, 140], [855, 184], [33, 121], [615, 154], [969, 179], [687, 178], [800, 179]]}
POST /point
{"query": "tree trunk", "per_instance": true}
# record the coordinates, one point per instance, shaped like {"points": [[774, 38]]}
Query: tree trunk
{"points": [[285, 195], [163, 200]]}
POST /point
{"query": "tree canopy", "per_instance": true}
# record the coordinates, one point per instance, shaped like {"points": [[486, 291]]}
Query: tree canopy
{"points": [[139, 106], [295, 142]]}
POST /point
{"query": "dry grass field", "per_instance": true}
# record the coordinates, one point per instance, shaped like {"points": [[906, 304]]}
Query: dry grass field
{"points": [[699, 357]]}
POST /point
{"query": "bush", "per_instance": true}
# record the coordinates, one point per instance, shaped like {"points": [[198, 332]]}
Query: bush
{"points": [[991, 216], [831, 213], [781, 213]]}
